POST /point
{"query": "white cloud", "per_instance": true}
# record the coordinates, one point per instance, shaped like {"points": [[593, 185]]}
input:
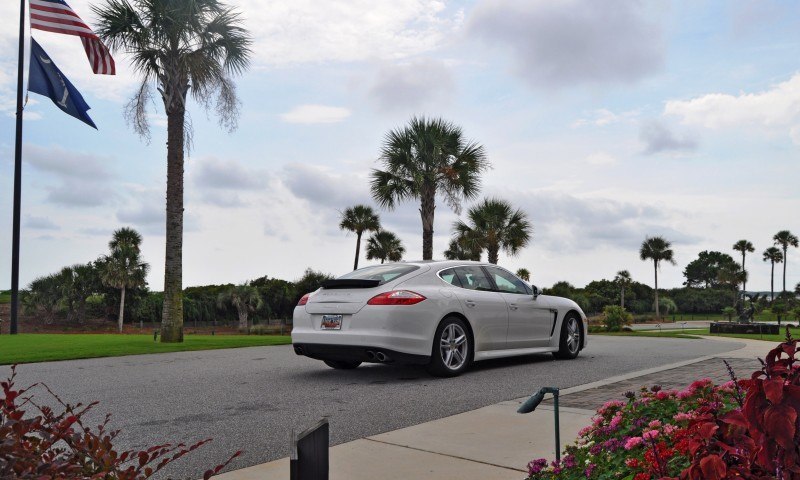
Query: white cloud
{"points": [[603, 117], [601, 158], [302, 31], [578, 42], [775, 108], [309, 114], [409, 85], [659, 137]]}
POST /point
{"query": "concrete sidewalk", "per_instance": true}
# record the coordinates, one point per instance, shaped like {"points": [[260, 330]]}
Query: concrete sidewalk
{"points": [[495, 442]]}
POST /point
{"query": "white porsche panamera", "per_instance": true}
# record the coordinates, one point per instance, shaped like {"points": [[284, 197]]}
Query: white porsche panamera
{"points": [[443, 314]]}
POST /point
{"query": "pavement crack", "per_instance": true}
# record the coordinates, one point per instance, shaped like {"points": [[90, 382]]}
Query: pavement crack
{"points": [[447, 455]]}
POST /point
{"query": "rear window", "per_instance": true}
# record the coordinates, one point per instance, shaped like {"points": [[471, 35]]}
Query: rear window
{"points": [[382, 273]]}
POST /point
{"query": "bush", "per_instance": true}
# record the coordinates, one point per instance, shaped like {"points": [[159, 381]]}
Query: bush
{"points": [[744, 429], [729, 312], [616, 317], [43, 444]]}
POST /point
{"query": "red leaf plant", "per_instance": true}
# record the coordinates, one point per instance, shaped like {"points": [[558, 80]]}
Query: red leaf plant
{"points": [[38, 443], [745, 429]]}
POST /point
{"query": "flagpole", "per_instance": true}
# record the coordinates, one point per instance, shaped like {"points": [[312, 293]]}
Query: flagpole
{"points": [[17, 176]]}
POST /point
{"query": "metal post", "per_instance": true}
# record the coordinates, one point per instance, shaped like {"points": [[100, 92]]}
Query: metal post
{"points": [[530, 405], [558, 427], [17, 177]]}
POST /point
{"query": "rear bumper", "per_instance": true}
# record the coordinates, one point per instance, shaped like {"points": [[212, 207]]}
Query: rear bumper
{"points": [[320, 351]]}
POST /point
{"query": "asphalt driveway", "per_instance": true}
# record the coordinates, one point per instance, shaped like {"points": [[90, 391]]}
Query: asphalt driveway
{"points": [[251, 398]]}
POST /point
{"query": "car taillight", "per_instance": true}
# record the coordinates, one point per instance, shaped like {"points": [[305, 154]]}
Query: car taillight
{"points": [[303, 300], [396, 297]]}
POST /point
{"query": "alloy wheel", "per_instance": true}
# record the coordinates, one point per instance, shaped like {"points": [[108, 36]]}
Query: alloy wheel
{"points": [[453, 346]]}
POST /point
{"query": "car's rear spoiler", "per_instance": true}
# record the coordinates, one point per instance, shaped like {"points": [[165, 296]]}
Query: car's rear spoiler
{"points": [[350, 283]]}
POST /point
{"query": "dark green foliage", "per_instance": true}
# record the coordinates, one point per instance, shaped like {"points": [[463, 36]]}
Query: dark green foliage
{"points": [[560, 289], [601, 293], [309, 282], [700, 300], [704, 271], [616, 317]]}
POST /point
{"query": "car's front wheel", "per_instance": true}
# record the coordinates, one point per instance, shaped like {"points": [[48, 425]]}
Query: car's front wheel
{"points": [[452, 348], [342, 365], [569, 345]]}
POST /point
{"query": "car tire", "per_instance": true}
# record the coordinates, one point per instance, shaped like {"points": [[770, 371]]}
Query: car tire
{"points": [[342, 364], [569, 342], [452, 349]]}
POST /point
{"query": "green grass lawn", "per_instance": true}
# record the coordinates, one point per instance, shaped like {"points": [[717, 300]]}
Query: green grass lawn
{"points": [[692, 333], [655, 333], [29, 348]]}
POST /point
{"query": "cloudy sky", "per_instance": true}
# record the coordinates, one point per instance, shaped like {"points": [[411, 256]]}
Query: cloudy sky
{"points": [[605, 121]]}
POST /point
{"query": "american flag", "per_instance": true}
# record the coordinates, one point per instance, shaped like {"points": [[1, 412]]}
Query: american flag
{"points": [[56, 16]]}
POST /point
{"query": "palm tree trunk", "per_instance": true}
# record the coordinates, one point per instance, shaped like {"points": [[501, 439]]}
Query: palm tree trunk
{"points": [[358, 249], [426, 211], [493, 254], [243, 323], [172, 317], [785, 261], [622, 298], [744, 282], [655, 264], [772, 284], [121, 309]]}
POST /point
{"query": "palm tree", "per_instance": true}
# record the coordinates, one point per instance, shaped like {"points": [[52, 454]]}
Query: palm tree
{"points": [[245, 298], [428, 157], [772, 255], [123, 269], [179, 46], [656, 249], [494, 224], [730, 274], [524, 274], [457, 250], [359, 219], [385, 245], [125, 237], [624, 280], [744, 246], [785, 239]]}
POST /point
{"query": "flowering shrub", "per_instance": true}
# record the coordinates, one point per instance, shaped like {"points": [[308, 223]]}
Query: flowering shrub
{"points": [[744, 429], [42, 444]]}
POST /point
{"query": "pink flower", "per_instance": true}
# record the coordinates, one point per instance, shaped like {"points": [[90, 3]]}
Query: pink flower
{"points": [[585, 430], [681, 417], [616, 421], [650, 434], [633, 442], [654, 424], [669, 429], [609, 405], [685, 393], [662, 395], [703, 382]]}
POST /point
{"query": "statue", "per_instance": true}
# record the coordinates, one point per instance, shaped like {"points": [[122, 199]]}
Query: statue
{"points": [[745, 314]]}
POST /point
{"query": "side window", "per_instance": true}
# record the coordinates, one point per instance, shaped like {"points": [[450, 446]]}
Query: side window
{"points": [[450, 277], [473, 278], [506, 282]]}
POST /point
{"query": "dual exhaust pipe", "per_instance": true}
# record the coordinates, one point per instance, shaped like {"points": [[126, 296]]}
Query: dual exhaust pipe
{"points": [[378, 356]]}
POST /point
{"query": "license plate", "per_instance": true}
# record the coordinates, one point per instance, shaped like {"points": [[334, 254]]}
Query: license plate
{"points": [[331, 322]]}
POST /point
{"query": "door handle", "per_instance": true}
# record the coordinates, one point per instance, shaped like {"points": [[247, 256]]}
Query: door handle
{"points": [[469, 303], [513, 306]]}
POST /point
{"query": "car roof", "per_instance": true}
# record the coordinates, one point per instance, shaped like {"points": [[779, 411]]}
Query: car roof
{"points": [[442, 263]]}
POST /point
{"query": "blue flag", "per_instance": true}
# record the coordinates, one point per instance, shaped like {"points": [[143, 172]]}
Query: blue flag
{"points": [[46, 79]]}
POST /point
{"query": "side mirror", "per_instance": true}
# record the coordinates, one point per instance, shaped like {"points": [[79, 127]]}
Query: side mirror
{"points": [[536, 291]]}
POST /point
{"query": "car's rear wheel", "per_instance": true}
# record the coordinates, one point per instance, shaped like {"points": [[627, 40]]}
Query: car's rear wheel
{"points": [[452, 348], [569, 345], [342, 364]]}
